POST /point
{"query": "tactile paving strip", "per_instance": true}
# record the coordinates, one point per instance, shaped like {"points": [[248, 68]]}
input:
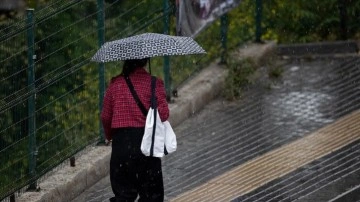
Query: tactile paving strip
{"points": [[278, 162]]}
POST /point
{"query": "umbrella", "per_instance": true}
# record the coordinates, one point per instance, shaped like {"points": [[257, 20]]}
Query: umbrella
{"points": [[145, 46]]}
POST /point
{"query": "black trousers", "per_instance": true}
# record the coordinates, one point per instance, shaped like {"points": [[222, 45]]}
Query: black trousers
{"points": [[133, 174]]}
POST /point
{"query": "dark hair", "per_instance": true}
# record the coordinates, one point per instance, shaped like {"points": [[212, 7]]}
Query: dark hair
{"points": [[131, 65]]}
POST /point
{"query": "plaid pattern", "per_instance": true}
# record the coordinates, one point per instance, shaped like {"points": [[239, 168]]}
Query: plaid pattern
{"points": [[119, 107]]}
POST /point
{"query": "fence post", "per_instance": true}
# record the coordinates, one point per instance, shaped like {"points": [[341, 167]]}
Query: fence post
{"points": [[342, 5], [101, 41], [223, 34], [31, 99], [258, 19], [167, 76]]}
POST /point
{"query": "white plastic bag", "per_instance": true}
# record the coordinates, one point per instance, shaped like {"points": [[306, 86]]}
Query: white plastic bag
{"points": [[159, 138], [170, 138], [154, 144], [153, 141]]}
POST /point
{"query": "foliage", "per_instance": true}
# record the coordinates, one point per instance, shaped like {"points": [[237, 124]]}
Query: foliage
{"points": [[303, 21], [275, 72], [240, 71]]}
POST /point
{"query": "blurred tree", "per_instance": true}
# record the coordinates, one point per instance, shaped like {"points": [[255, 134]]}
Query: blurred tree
{"points": [[318, 20]]}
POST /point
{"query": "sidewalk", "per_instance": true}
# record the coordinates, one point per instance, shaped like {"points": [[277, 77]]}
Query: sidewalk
{"points": [[276, 163], [93, 165]]}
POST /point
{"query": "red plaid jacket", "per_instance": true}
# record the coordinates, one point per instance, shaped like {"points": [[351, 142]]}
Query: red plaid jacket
{"points": [[119, 106]]}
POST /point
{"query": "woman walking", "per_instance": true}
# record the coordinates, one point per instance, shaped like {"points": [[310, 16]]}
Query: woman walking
{"points": [[132, 174]]}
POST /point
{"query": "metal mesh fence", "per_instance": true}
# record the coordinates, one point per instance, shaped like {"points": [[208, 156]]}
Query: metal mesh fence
{"points": [[65, 99]]}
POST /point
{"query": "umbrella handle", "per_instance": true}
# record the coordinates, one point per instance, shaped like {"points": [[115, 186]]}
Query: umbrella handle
{"points": [[149, 67]]}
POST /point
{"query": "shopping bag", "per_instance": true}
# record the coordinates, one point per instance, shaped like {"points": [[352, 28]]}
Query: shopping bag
{"points": [[159, 138], [153, 141]]}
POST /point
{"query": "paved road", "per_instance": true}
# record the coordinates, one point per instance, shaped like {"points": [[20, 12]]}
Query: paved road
{"points": [[271, 113]]}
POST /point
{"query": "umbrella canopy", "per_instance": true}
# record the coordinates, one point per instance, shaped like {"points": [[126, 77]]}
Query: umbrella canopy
{"points": [[145, 46]]}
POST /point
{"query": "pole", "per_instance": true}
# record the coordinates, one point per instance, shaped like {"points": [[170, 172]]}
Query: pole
{"points": [[223, 34], [258, 18], [101, 41], [343, 19], [31, 99], [167, 76]]}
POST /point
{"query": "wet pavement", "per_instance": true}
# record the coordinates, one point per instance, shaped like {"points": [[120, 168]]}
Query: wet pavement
{"points": [[311, 94]]}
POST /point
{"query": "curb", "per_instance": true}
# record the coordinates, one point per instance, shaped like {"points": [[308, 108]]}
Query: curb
{"points": [[69, 182], [197, 93], [350, 47]]}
